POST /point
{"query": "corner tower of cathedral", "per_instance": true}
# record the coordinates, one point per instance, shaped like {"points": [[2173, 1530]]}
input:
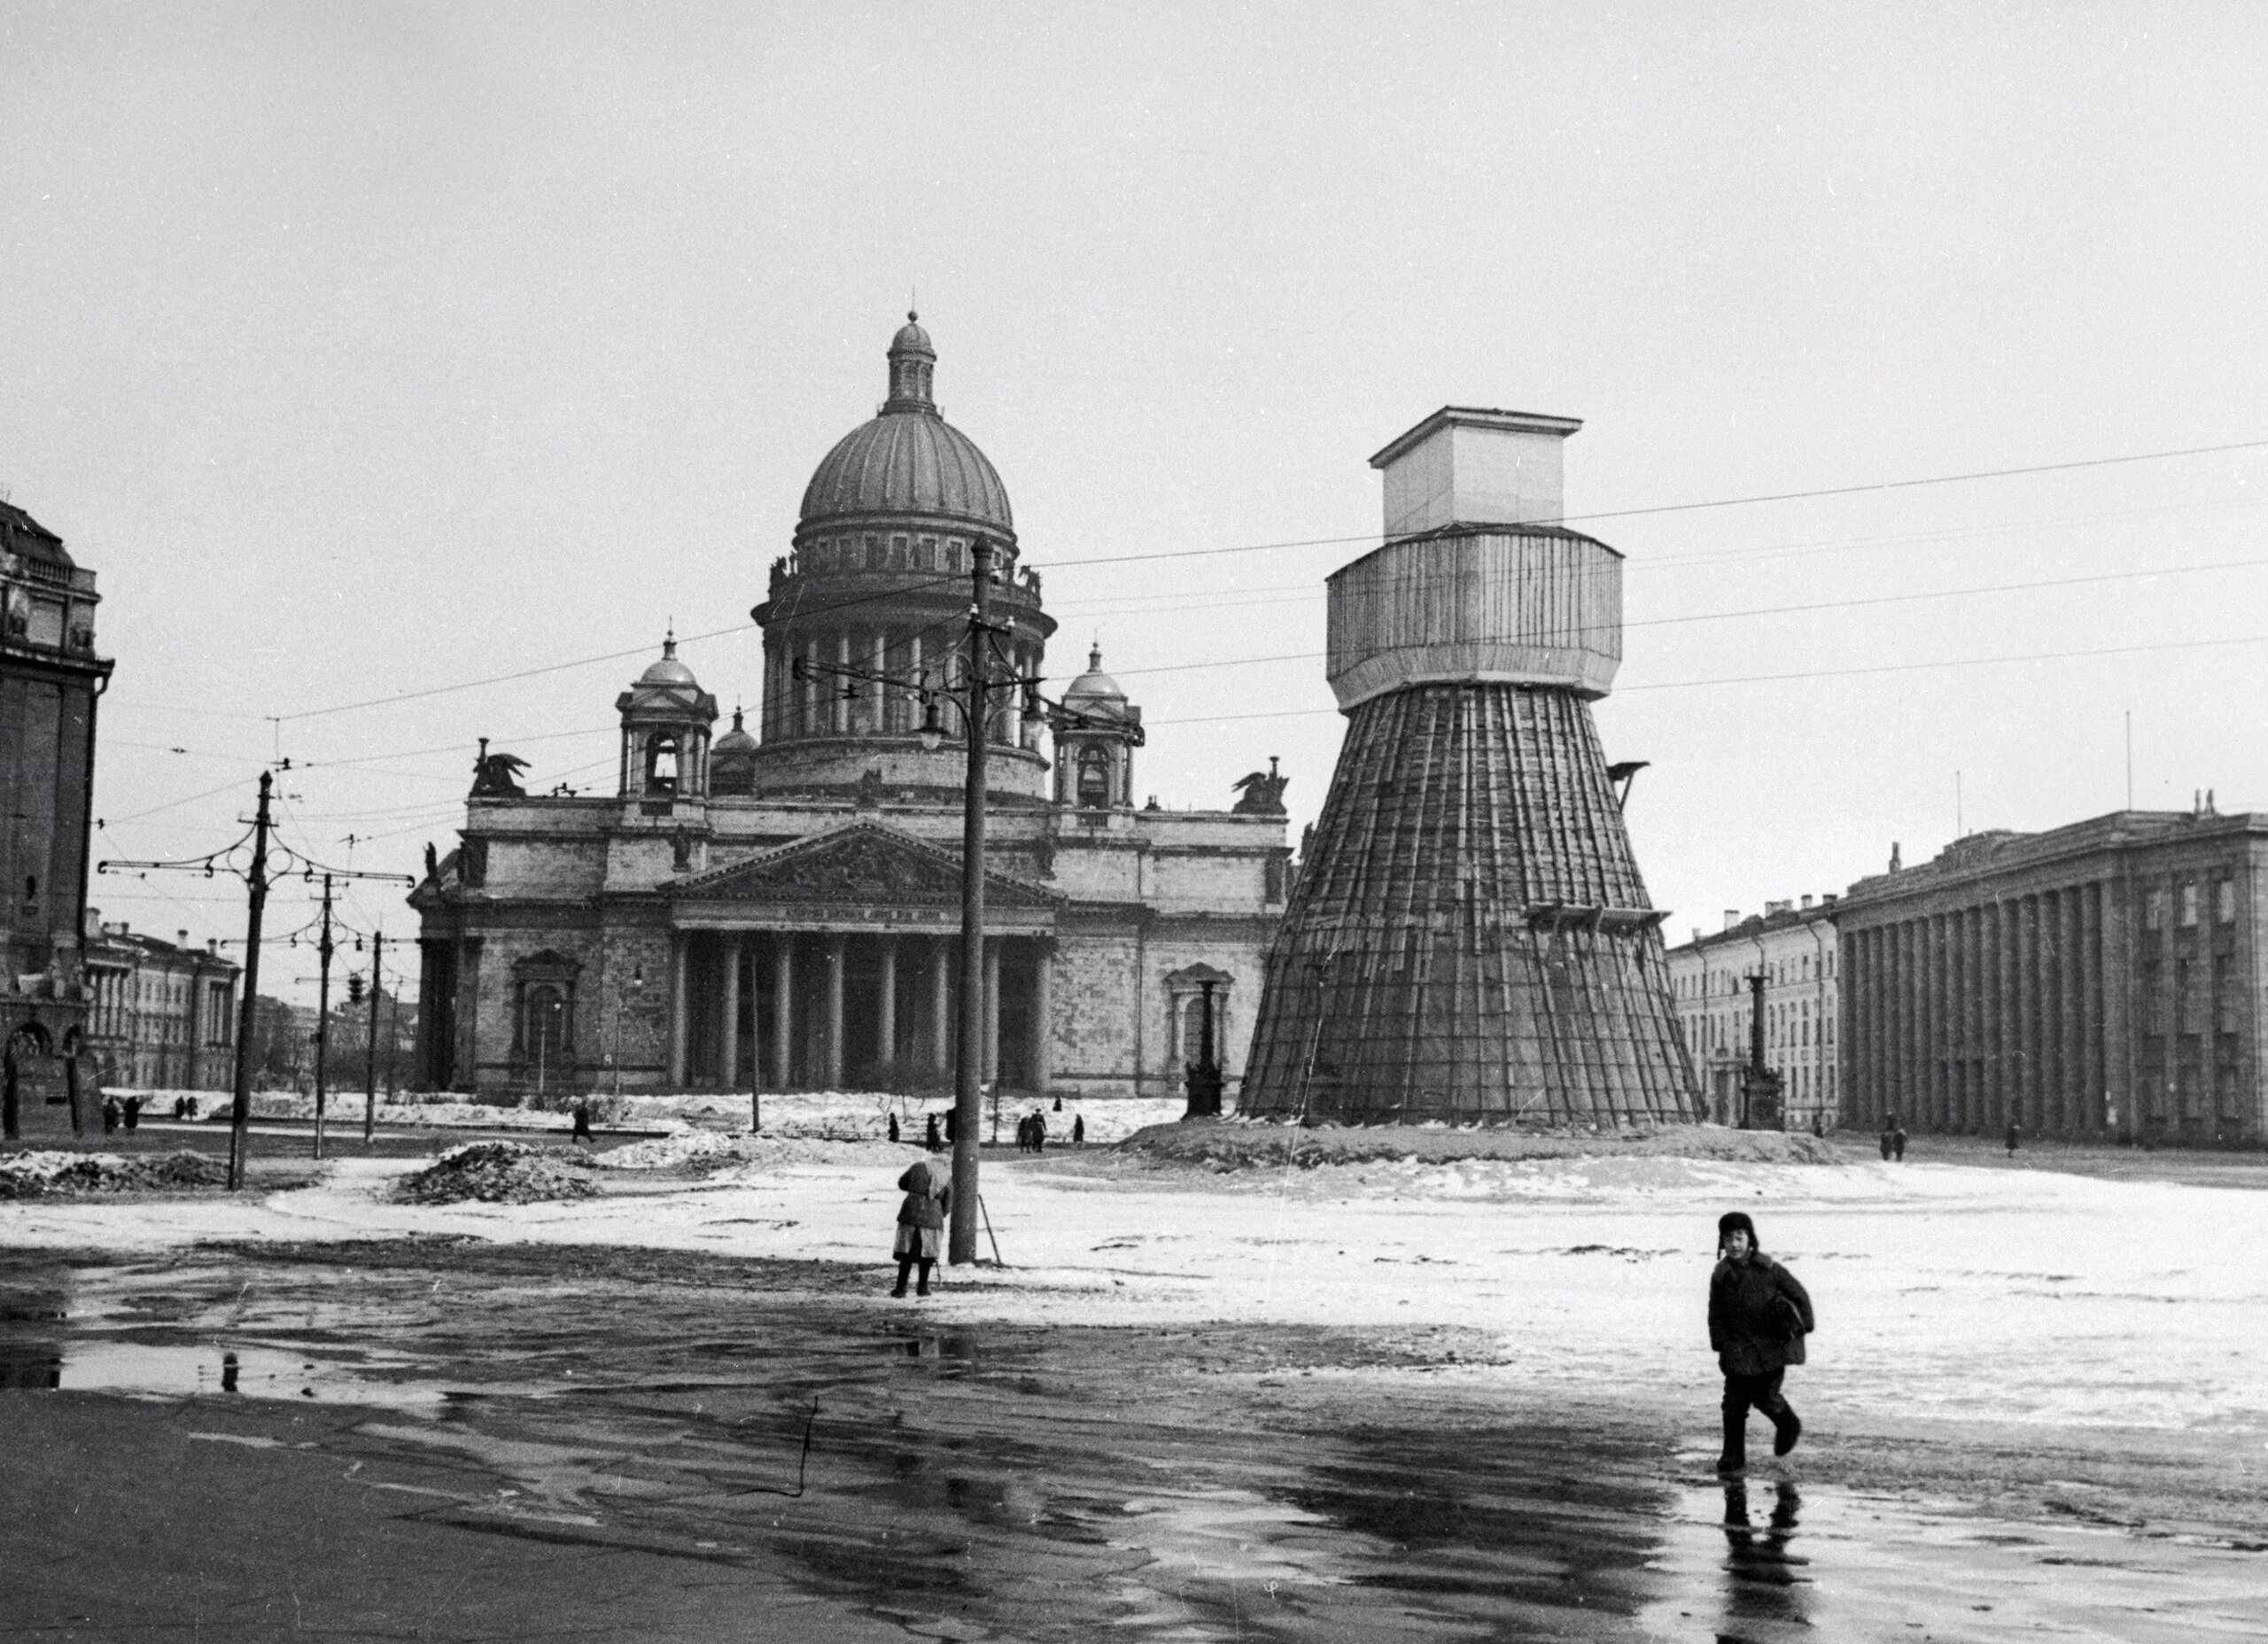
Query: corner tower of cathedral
{"points": [[878, 580]]}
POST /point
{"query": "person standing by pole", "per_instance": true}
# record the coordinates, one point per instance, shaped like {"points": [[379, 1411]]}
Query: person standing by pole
{"points": [[968, 1071], [1759, 1314]]}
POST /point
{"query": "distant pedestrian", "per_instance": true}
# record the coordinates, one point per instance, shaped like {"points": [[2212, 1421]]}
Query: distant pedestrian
{"points": [[893, 1127], [920, 1222], [1818, 1127], [180, 1106], [1078, 1129], [1889, 1128], [1898, 1145], [2016, 1135], [133, 1111], [1058, 1104], [1023, 1136], [952, 1124], [1038, 1131], [933, 1142], [1758, 1315], [582, 1123], [193, 1107], [112, 1112]]}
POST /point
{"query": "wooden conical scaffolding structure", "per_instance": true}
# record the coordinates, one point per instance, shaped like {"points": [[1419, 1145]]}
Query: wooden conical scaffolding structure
{"points": [[1469, 939]]}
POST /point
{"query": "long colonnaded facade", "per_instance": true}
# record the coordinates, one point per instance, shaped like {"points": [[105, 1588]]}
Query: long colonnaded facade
{"points": [[781, 909], [2103, 982], [1469, 939]]}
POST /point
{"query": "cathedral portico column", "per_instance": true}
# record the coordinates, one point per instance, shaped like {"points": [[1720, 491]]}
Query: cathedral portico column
{"points": [[783, 1010], [680, 962], [992, 1008], [1043, 988], [834, 1013], [941, 1015], [885, 1011], [728, 1029]]}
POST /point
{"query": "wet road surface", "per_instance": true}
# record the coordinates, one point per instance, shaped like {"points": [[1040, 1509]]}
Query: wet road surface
{"points": [[429, 1440]]}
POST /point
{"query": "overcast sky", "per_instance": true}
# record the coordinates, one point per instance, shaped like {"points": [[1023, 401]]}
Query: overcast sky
{"points": [[360, 349]]}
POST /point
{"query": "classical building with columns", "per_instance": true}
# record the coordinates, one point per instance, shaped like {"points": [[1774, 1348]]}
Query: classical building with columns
{"points": [[780, 908], [2105, 980]]}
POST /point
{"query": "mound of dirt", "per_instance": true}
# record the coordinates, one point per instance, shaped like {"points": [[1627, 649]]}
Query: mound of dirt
{"points": [[34, 1174], [496, 1173], [1225, 1145]]}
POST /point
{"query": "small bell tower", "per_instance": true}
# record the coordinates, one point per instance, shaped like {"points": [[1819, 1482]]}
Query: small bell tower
{"points": [[666, 722], [1095, 741]]}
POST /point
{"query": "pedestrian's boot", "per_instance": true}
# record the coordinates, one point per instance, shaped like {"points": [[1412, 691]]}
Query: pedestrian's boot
{"points": [[904, 1268], [1790, 1427], [922, 1288], [1735, 1459]]}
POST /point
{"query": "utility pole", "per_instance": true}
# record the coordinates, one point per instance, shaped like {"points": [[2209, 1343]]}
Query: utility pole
{"points": [[254, 875], [370, 1090], [968, 1059], [975, 696], [240, 1116], [324, 947]]}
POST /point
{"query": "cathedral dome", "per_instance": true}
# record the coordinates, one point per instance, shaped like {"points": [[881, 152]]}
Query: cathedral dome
{"points": [[908, 459]]}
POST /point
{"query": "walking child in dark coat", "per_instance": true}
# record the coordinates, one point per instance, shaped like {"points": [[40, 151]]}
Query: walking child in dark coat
{"points": [[133, 1111], [582, 1132], [1078, 1129], [1898, 1145], [111, 1112], [920, 1222], [1758, 1315], [933, 1142], [893, 1126]]}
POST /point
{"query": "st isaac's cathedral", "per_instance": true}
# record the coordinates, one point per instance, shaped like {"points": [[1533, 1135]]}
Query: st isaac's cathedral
{"points": [[780, 911]]}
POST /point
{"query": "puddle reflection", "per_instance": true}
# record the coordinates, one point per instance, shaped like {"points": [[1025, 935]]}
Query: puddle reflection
{"points": [[1764, 1578]]}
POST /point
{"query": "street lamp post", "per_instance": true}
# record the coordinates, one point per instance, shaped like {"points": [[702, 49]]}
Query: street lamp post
{"points": [[635, 986]]}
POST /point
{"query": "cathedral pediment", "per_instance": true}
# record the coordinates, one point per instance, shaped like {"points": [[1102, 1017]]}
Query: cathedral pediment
{"points": [[863, 863]]}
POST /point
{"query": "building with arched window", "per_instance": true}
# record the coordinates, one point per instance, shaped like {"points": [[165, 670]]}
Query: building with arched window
{"points": [[780, 909]]}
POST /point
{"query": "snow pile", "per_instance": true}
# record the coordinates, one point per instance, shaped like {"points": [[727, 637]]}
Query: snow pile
{"points": [[29, 1174], [496, 1173], [688, 1150], [1251, 1146]]}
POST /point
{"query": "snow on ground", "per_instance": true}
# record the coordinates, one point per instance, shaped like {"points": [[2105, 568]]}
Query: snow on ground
{"points": [[844, 1114], [1944, 1292]]}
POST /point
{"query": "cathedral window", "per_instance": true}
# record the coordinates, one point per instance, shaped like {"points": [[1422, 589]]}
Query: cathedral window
{"points": [[898, 553]]}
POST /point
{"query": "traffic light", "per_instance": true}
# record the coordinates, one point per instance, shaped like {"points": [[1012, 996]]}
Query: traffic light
{"points": [[353, 989]]}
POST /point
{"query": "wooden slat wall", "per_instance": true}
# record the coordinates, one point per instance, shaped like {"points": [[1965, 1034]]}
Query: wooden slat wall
{"points": [[1408, 981]]}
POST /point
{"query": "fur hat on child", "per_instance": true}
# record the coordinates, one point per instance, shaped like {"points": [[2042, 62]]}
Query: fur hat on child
{"points": [[1737, 1222]]}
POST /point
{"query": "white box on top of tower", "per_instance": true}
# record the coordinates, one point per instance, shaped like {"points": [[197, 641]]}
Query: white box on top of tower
{"points": [[1466, 466]]}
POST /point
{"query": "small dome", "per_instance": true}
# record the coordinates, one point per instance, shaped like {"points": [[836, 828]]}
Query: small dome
{"points": [[735, 741], [912, 339], [666, 670], [1094, 686]]}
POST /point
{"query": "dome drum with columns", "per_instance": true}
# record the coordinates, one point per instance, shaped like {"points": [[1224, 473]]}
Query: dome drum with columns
{"points": [[778, 909]]}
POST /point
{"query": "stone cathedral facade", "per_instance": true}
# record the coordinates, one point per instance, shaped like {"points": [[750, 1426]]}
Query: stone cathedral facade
{"points": [[777, 907]]}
